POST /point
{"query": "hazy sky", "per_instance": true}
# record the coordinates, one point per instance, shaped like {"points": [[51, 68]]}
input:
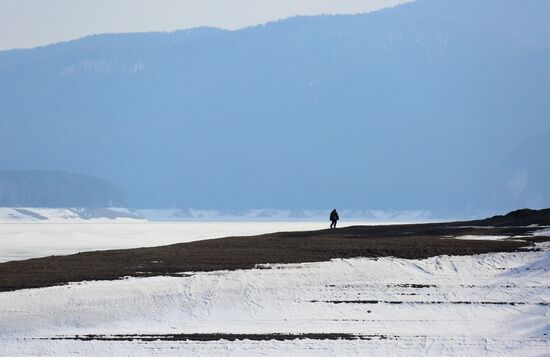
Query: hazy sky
{"points": [[31, 23]]}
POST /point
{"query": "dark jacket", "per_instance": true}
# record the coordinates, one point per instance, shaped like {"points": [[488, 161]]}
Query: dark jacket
{"points": [[334, 215]]}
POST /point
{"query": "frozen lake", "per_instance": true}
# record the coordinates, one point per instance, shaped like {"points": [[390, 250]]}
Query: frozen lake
{"points": [[20, 241]]}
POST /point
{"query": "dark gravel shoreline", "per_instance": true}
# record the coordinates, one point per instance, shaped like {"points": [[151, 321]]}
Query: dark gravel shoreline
{"points": [[410, 241]]}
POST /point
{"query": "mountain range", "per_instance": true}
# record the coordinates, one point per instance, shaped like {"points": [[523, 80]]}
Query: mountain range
{"points": [[432, 105]]}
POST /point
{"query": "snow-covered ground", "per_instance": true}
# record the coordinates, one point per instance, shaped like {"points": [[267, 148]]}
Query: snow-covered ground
{"points": [[487, 237], [32, 240], [492, 304], [477, 237]]}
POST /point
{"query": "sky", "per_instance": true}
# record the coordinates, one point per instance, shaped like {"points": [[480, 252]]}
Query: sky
{"points": [[31, 23]]}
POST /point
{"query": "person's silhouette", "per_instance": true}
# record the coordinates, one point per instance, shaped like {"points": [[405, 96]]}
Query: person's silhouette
{"points": [[333, 218]]}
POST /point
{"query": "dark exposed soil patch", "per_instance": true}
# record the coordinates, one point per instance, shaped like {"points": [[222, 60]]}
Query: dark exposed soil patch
{"points": [[414, 286], [412, 241], [511, 303], [522, 217], [224, 336]]}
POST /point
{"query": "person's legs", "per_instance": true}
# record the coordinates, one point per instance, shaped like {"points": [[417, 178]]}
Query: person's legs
{"points": [[335, 221]]}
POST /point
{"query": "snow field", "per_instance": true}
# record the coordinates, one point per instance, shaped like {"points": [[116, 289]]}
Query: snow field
{"points": [[491, 304], [401, 347]]}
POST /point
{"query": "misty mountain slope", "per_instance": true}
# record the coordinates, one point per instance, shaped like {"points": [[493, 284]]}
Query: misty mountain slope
{"points": [[33, 188], [422, 106]]}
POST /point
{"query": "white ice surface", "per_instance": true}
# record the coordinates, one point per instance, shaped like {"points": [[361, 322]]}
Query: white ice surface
{"points": [[455, 312], [32, 240], [476, 237]]}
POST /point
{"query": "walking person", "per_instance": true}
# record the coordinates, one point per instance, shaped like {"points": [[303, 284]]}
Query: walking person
{"points": [[333, 218]]}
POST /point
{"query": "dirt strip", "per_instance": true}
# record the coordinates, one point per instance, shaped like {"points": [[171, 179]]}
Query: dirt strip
{"points": [[224, 336]]}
